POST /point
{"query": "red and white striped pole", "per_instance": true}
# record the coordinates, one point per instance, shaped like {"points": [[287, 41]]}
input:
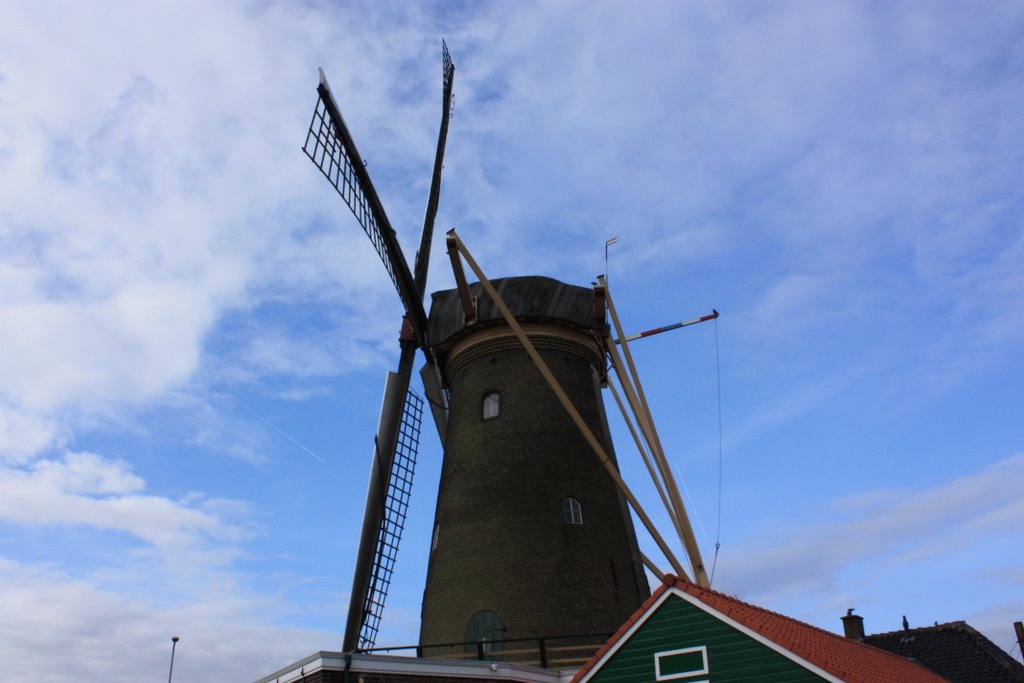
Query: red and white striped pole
{"points": [[676, 326]]}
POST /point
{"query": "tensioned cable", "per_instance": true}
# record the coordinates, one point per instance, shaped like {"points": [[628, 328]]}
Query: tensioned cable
{"points": [[718, 531]]}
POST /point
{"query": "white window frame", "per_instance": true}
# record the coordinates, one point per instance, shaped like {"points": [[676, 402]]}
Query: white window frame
{"points": [[572, 512], [703, 671]]}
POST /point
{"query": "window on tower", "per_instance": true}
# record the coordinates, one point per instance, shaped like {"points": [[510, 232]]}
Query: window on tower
{"points": [[492, 405], [572, 512]]}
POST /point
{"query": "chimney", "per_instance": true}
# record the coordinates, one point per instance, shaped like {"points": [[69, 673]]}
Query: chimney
{"points": [[853, 625]]}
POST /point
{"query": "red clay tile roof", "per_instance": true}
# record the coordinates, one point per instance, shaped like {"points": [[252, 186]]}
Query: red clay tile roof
{"points": [[848, 660]]}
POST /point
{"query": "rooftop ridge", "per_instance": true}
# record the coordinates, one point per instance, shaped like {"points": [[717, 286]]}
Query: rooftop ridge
{"points": [[957, 625]]}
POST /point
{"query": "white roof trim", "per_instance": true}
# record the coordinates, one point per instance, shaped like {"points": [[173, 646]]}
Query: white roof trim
{"points": [[672, 590], [452, 668], [599, 664]]}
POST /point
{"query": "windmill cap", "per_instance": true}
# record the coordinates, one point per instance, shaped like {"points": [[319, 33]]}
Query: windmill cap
{"points": [[533, 297]]}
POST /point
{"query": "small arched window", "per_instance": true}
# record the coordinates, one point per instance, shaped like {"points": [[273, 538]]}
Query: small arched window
{"points": [[492, 405], [572, 512]]}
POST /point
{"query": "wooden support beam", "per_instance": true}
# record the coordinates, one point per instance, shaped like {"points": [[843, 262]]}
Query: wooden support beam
{"points": [[643, 454], [650, 565], [645, 423], [467, 299]]}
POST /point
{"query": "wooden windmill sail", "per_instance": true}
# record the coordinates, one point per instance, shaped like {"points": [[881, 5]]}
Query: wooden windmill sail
{"points": [[330, 146]]}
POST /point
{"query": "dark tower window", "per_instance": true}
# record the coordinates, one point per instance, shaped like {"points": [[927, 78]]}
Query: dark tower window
{"points": [[492, 405], [572, 513], [485, 627]]}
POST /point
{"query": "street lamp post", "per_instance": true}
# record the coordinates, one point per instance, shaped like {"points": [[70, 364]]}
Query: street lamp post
{"points": [[174, 644]]}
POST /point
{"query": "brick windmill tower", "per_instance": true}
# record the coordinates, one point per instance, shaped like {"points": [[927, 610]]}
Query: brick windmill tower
{"points": [[531, 536]]}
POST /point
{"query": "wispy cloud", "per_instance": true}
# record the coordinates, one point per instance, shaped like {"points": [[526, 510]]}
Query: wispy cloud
{"points": [[908, 533], [133, 228], [176, 575], [89, 490], [225, 631]]}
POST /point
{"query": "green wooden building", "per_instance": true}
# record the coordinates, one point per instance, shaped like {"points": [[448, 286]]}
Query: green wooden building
{"points": [[688, 634]]}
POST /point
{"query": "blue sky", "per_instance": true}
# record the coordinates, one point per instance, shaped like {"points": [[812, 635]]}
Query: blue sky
{"points": [[195, 332]]}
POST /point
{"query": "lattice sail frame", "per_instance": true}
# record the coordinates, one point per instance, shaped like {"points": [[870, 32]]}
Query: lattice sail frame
{"points": [[396, 508], [326, 147]]}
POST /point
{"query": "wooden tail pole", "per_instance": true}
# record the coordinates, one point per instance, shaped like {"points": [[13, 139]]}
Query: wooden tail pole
{"points": [[453, 239], [667, 328], [689, 539]]}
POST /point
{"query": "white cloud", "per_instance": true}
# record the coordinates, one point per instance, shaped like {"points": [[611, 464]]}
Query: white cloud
{"points": [[127, 346], [179, 580], [131, 228], [88, 490], [775, 409], [86, 473], [24, 433], [108, 633], [794, 296]]}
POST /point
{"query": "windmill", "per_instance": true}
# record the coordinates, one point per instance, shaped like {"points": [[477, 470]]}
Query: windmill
{"points": [[530, 538]]}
